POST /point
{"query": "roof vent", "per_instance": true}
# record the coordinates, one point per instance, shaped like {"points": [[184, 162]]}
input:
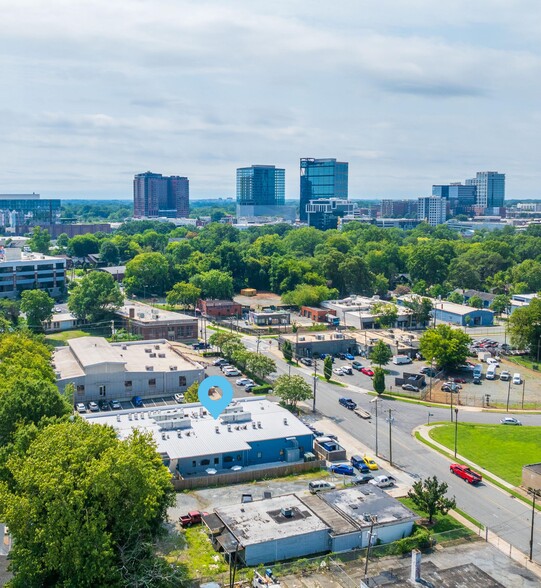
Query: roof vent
{"points": [[162, 355], [152, 355], [286, 512], [130, 418], [173, 368], [229, 428], [259, 425], [124, 347], [285, 421], [156, 346], [148, 349], [179, 434], [149, 368], [217, 429]]}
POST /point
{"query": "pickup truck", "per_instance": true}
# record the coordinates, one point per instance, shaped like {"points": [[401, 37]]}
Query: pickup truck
{"points": [[192, 518], [465, 473], [383, 481]]}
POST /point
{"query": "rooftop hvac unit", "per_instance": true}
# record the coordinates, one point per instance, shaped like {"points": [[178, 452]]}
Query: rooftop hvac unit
{"points": [[124, 347], [148, 350], [217, 429], [117, 418], [149, 368], [229, 428], [156, 346], [286, 511], [259, 426], [152, 355], [164, 437], [285, 421], [173, 368], [130, 417], [162, 355], [141, 314], [136, 416], [254, 425], [302, 338], [179, 434]]}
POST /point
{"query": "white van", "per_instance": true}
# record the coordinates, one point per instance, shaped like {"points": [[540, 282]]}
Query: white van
{"points": [[491, 372], [320, 485], [401, 359], [517, 379]]}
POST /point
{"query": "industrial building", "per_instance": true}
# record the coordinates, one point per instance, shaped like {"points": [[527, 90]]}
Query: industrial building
{"points": [[459, 314], [295, 525], [267, 318], [100, 370], [315, 344], [219, 308], [155, 323], [21, 271], [251, 432]]}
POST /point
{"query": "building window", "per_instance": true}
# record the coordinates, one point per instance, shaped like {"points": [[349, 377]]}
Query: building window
{"points": [[239, 457], [228, 459], [102, 390], [128, 383], [216, 460], [182, 380], [281, 452], [205, 462], [152, 382], [194, 463], [259, 455], [80, 389]]}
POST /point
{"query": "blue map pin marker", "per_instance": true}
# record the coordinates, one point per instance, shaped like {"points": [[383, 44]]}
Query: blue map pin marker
{"points": [[215, 407]]}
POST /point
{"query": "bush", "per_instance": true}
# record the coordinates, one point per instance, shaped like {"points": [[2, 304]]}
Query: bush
{"points": [[264, 389], [419, 539]]}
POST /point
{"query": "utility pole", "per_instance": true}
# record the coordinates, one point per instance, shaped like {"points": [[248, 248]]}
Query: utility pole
{"points": [[453, 388], [258, 341], [535, 494], [375, 401], [315, 386], [523, 386], [390, 436], [373, 519], [508, 394], [456, 428]]}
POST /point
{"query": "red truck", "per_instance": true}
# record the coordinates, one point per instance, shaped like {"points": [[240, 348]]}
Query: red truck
{"points": [[192, 518], [465, 473]]}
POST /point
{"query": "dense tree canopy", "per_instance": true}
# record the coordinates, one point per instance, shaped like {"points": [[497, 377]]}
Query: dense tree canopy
{"points": [[147, 274], [95, 296], [38, 307], [448, 346]]}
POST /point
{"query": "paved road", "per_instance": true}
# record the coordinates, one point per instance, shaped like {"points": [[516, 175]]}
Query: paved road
{"points": [[506, 516]]}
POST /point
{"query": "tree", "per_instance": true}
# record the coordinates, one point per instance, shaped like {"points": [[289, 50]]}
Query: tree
{"points": [[214, 284], [220, 338], [146, 274], [83, 245], [379, 380], [191, 394], [456, 297], [525, 326], [9, 309], [448, 346], [40, 241], [306, 295], [475, 302], [260, 365], [287, 350], [85, 508], [95, 297], [429, 496], [292, 390], [381, 353], [38, 307], [109, 252], [183, 294], [327, 367], [62, 240], [420, 309], [500, 303], [385, 314]]}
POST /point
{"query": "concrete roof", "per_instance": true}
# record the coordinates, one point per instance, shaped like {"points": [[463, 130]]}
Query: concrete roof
{"points": [[198, 428], [458, 309], [15, 254], [146, 314], [316, 337], [91, 351], [261, 521]]}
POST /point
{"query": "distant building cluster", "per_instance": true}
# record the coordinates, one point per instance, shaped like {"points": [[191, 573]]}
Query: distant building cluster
{"points": [[155, 196]]}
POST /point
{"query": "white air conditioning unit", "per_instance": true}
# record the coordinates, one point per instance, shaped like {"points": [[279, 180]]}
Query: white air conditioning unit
{"points": [[173, 368], [149, 368], [152, 355]]}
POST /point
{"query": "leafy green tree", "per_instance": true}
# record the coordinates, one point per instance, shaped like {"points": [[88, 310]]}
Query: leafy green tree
{"points": [[500, 303], [291, 390], [475, 302], [109, 252], [327, 367], [428, 495], [95, 297], [305, 295], [528, 272], [260, 365], [525, 326], [220, 338], [9, 309], [85, 508], [287, 350], [386, 314], [214, 284], [381, 353], [38, 307], [146, 274], [456, 297], [379, 380], [421, 308], [83, 245], [40, 241], [62, 240], [232, 347], [183, 294], [191, 394], [448, 346]]}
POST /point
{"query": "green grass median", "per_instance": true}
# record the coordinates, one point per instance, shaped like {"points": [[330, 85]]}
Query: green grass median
{"points": [[500, 449]]}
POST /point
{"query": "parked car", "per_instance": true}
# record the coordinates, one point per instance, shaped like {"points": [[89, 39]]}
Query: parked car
{"points": [[492, 361], [93, 407], [517, 378], [410, 387], [306, 361], [372, 465], [362, 479], [358, 462], [244, 381], [250, 387], [357, 365], [383, 481], [231, 372], [505, 376], [367, 371], [179, 397], [220, 362], [477, 380], [401, 359], [192, 518], [458, 380], [342, 356], [350, 357], [81, 408], [510, 421], [104, 405], [348, 403], [137, 401], [428, 372], [342, 469], [347, 370], [338, 371], [115, 405], [465, 473], [320, 485]]}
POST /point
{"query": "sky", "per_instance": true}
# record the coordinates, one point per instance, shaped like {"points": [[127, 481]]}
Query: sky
{"points": [[409, 93]]}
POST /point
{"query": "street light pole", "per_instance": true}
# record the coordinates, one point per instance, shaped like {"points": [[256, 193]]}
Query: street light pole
{"points": [[390, 437], [508, 394], [535, 493], [375, 401], [315, 386], [453, 388], [523, 386], [456, 428]]}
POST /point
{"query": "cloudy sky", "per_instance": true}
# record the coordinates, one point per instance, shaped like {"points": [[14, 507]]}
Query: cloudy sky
{"points": [[410, 93]]}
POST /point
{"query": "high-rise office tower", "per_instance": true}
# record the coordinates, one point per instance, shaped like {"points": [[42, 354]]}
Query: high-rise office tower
{"points": [[155, 195], [490, 189], [398, 208], [461, 198], [432, 210], [261, 193], [322, 178]]}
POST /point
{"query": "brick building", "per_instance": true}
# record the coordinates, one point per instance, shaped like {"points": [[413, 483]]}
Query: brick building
{"points": [[218, 308]]}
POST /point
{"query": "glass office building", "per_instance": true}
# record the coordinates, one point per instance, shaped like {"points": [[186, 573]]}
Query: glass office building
{"points": [[490, 189], [261, 185], [322, 178], [20, 210]]}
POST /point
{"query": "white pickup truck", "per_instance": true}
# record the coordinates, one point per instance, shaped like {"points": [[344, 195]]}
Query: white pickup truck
{"points": [[383, 481]]}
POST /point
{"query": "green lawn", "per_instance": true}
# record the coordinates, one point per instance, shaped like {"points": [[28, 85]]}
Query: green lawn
{"points": [[59, 339], [500, 449]]}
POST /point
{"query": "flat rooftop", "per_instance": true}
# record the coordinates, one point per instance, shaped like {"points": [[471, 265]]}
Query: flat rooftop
{"points": [[144, 313], [263, 520], [317, 337], [12, 254], [84, 353], [187, 430], [459, 309]]}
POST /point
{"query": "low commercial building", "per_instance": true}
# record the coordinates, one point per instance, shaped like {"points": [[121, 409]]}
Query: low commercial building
{"points": [[520, 301], [117, 271], [486, 297], [63, 321], [267, 318], [464, 316], [319, 315], [294, 525], [20, 271], [155, 323], [361, 312], [314, 344], [100, 370], [399, 341], [250, 433], [219, 308]]}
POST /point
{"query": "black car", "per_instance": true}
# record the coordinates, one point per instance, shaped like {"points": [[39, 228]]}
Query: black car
{"points": [[363, 479], [104, 405], [348, 403], [342, 355], [249, 387]]}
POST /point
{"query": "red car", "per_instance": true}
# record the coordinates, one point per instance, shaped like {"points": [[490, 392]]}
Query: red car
{"points": [[367, 371], [465, 473], [192, 518], [458, 380]]}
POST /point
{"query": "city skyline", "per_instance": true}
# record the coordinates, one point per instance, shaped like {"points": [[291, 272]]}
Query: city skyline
{"points": [[410, 95]]}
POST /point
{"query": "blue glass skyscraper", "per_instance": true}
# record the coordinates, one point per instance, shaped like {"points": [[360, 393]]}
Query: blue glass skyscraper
{"points": [[490, 189], [261, 185], [322, 178]]}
